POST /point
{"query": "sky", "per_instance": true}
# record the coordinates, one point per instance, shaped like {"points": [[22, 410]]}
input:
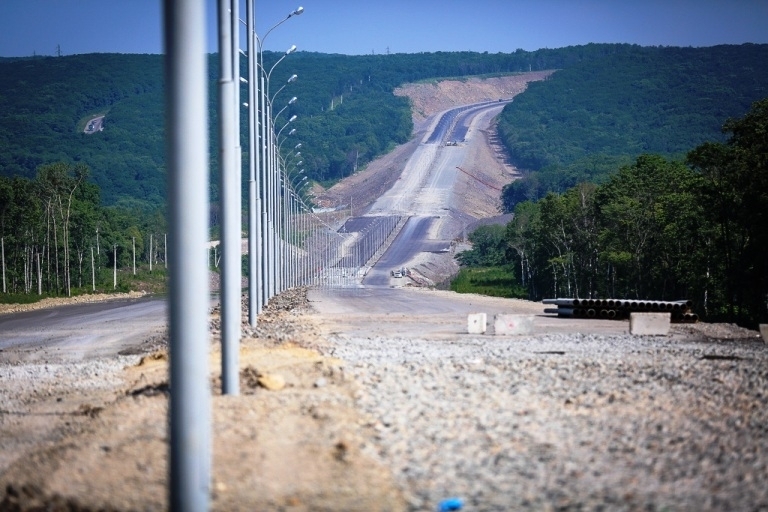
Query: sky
{"points": [[355, 27]]}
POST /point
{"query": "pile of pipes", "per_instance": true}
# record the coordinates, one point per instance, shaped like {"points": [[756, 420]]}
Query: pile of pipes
{"points": [[619, 309]]}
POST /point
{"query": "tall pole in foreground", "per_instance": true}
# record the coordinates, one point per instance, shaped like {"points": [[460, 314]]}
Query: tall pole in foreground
{"points": [[187, 156], [230, 203]]}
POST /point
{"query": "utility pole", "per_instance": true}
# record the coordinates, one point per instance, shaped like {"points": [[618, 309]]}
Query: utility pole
{"points": [[230, 196], [150, 253], [114, 270], [186, 100], [2, 244]]}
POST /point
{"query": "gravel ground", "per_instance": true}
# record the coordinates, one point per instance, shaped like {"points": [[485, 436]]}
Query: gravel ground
{"points": [[568, 422], [547, 422]]}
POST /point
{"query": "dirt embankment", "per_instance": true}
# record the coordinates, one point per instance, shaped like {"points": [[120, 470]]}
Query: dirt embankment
{"points": [[430, 98], [427, 100]]}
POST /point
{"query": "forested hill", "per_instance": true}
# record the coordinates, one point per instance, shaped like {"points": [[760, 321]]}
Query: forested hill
{"points": [[47, 101], [347, 114], [592, 116]]}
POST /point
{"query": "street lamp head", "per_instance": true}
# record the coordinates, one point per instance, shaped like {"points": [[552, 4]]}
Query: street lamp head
{"points": [[291, 49], [292, 131], [243, 80], [293, 118], [297, 146], [293, 78], [292, 100], [245, 104], [298, 11]]}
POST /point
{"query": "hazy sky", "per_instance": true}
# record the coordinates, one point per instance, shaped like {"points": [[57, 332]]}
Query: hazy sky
{"points": [[29, 27]]}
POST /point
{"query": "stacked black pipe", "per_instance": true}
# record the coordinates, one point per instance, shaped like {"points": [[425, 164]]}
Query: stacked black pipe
{"points": [[619, 309]]}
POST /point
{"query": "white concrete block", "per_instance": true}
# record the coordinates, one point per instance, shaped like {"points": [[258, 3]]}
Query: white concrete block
{"points": [[764, 332], [476, 323], [649, 324], [513, 324]]}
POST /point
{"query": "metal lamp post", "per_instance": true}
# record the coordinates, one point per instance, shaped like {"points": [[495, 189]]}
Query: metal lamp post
{"points": [[274, 285], [269, 177], [189, 407], [257, 160]]}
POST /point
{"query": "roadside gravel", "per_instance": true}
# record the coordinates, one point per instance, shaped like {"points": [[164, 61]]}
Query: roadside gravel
{"points": [[547, 422], [568, 422]]}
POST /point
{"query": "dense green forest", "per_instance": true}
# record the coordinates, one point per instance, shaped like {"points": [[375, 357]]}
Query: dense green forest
{"points": [[346, 111], [57, 238], [658, 228], [594, 116], [347, 114], [640, 228]]}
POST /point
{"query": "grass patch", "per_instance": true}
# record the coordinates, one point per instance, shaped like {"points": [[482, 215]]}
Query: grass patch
{"points": [[491, 281]]}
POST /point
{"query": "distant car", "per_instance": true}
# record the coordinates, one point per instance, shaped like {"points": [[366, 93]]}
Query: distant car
{"points": [[397, 273]]}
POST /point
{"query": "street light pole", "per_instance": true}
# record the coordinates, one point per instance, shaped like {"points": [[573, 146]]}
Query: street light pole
{"points": [[189, 407], [258, 229], [255, 277], [230, 200], [268, 134], [277, 249]]}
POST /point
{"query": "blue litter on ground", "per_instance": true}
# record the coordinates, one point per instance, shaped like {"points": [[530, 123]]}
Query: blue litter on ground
{"points": [[450, 504]]}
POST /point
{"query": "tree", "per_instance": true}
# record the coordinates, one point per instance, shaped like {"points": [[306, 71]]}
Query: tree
{"points": [[650, 229], [735, 191], [58, 183], [488, 247], [523, 238]]}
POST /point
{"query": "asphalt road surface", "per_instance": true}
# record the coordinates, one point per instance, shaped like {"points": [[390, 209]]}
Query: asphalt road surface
{"points": [[81, 331], [423, 194]]}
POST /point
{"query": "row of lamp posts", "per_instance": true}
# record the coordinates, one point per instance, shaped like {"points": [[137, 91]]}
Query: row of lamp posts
{"points": [[275, 201], [288, 245], [186, 149], [263, 178]]}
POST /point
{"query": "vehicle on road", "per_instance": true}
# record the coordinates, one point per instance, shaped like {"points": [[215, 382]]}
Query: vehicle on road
{"points": [[400, 272]]}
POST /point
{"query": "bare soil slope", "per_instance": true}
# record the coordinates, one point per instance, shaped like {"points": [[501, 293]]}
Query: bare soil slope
{"points": [[428, 100], [93, 435]]}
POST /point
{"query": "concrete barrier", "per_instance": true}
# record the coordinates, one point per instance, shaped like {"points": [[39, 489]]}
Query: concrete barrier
{"points": [[764, 332], [513, 324], [649, 324], [476, 323]]}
